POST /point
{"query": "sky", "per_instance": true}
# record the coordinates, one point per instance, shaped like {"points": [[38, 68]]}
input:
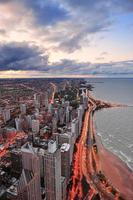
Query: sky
{"points": [[66, 38]]}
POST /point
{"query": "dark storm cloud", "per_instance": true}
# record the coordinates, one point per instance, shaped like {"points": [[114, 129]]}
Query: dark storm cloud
{"points": [[47, 12], [5, 1], [21, 56], [95, 16], [80, 19], [71, 67], [91, 16], [123, 5], [103, 5], [75, 42]]}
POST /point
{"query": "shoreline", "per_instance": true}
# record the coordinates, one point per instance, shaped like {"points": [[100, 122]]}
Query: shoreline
{"points": [[110, 106], [116, 170], [126, 163]]}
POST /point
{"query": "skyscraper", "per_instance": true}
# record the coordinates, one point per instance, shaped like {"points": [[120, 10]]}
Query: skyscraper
{"points": [[6, 115], [68, 138], [65, 161], [23, 108], [16, 161], [75, 127], [18, 122], [37, 100], [80, 116], [29, 182], [35, 126], [67, 115], [52, 172]]}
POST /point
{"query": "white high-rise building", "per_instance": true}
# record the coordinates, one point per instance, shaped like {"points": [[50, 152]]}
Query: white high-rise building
{"points": [[37, 100], [75, 127], [18, 124], [6, 115], [35, 126], [52, 146], [52, 172], [67, 114], [29, 120], [23, 108], [80, 116]]}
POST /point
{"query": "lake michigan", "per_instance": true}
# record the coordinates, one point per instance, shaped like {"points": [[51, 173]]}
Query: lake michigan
{"points": [[115, 125]]}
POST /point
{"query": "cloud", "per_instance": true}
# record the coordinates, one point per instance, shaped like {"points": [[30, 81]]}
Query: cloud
{"points": [[93, 17], [57, 17], [21, 56], [62, 27], [67, 25], [71, 67], [122, 5], [102, 5], [28, 57], [5, 1], [2, 32], [76, 39], [46, 12]]}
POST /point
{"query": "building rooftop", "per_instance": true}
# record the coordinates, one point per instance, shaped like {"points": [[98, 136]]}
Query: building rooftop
{"points": [[27, 148], [12, 190], [65, 147]]}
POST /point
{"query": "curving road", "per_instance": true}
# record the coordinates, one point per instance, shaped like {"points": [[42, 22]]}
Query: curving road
{"points": [[87, 167], [79, 164]]}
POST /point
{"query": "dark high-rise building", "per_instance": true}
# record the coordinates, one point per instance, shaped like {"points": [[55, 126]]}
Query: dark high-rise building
{"points": [[63, 187], [29, 183], [65, 161], [68, 138], [16, 161]]}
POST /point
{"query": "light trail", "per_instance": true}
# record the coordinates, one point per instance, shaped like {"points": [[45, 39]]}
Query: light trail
{"points": [[11, 141], [79, 165], [87, 165], [53, 94]]}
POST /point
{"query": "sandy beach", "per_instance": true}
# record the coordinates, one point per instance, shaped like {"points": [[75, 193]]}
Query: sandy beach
{"points": [[116, 171]]}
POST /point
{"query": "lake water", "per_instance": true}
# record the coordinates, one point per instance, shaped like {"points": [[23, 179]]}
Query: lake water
{"points": [[115, 125]]}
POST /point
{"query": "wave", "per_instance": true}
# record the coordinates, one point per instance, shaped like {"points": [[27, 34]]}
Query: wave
{"points": [[126, 159], [99, 134], [130, 145]]}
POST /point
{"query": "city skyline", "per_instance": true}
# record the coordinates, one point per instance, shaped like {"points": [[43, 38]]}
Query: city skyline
{"points": [[53, 146], [61, 38]]}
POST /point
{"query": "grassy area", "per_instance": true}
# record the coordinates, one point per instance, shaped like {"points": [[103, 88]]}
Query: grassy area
{"points": [[69, 94]]}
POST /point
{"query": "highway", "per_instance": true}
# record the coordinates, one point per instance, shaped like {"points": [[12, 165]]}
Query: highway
{"points": [[79, 164], [10, 141], [53, 93], [87, 167]]}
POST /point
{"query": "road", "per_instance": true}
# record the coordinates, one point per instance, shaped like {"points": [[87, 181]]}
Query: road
{"points": [[87, 167], [40, 92], [10, 141], [53, 93], [79, 163]]}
